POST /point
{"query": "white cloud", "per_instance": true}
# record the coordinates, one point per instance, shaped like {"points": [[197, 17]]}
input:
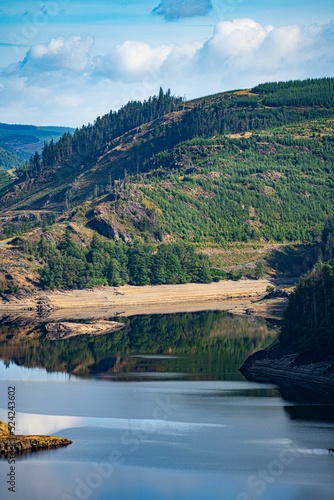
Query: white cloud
{"points": [[60, 53], [172, 10], [60, 83], [242, 52], [130, 60], [237, 38]]}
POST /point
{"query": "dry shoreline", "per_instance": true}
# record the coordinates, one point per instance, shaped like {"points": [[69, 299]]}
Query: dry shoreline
{"points": [[236, 296]]}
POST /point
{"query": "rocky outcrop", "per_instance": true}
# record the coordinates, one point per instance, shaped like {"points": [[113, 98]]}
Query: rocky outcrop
{"points": [[282, 365], [4, 428], [16, 444], [103, 222], [44, 306]]}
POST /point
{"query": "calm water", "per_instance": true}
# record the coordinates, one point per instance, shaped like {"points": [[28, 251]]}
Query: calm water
{"points": [[159, 411]]}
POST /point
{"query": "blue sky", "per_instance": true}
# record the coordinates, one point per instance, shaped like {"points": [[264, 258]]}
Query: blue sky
{"points": [[64, 62]]}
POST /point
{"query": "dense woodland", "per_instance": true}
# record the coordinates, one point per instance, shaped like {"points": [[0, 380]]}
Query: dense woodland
{"points": [[70, 265], [277, 186], [298, 93], [309, 320], [85, 143]]}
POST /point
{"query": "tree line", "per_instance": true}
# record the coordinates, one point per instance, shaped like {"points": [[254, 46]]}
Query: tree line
{"points": [[230, 114], [72, 265], [310, 92]]}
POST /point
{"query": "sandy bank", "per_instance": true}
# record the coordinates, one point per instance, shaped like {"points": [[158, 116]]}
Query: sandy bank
{"points": [[129, 300]]}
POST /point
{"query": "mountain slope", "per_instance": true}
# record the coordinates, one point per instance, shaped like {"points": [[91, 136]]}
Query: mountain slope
{"points": [[177, 186], [252, 165]]}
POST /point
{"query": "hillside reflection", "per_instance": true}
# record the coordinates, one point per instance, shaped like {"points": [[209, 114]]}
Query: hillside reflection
{"points": [[203, 345]]}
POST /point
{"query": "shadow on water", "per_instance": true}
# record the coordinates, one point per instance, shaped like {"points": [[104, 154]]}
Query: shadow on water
{"points": [[311, 411], [308, 403]]}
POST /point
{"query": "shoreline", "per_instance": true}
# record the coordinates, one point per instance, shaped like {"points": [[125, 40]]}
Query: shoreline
{"points": [[15, 444], [127, 300], [290, 370]]}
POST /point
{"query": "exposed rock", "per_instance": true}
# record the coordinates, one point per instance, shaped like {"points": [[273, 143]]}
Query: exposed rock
{"points": [[16, 444], [44, 306], [4, 428], [109, 229], [57, 331], [282, 365]]}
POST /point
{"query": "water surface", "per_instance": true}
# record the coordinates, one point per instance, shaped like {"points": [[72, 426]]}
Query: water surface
{"points": [[160, 411]]}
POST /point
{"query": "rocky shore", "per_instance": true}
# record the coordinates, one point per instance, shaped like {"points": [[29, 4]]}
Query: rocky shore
{"points": [[283, 366], [15, 444]]}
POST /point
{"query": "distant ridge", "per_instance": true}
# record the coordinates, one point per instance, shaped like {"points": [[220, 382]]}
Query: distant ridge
{"points": [[24, 140]]}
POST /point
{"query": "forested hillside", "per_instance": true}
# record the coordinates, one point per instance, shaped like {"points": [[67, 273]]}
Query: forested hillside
{"points": [[309, 320], [9, 159], [251, 166]]}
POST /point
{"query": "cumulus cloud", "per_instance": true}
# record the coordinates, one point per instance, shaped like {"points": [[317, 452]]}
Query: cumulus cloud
{"points": [[245, 47], [239, 53], [60, 53], [130, 61], [172, 10], [236, 38], [237, 50]]}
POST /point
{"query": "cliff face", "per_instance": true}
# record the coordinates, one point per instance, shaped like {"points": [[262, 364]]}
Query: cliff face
{"points": [[15, 444], [282, 366]]}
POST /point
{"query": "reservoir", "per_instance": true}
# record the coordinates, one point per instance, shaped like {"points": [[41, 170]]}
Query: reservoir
{"points": [[158, 410]]}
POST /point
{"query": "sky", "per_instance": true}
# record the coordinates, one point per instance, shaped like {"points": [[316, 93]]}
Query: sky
{"points": [[65, 62]]}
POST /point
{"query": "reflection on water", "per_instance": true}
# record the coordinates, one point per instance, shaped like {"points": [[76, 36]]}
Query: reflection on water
{"points": [[159, 411], [199, 345], [311, 411]]}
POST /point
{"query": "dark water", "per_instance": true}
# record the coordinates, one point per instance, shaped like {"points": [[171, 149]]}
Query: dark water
{"points": [[159, 411]]}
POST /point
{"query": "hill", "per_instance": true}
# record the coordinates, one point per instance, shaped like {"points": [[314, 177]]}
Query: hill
{"points": [[24, 140], [9, 159], [247, 167]]}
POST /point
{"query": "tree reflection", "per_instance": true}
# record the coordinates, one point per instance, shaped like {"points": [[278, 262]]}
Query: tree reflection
{"points": [[202, 345]]}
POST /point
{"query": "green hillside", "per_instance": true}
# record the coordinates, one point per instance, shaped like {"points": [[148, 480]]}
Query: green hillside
{"points": [[248, 167], [9, 160]]}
